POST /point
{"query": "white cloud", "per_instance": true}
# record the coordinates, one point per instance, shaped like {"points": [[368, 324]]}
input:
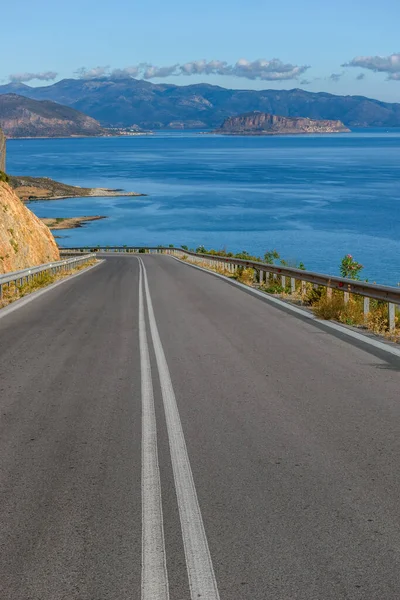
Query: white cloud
{"points": [[379, 64], [264, 70], [24, 77], [267, 70], [84, 73], [148, 71], [126, 72]]}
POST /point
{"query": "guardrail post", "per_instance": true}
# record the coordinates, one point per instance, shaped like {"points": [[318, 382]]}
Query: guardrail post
{"points": [[303, 288], [261, 276], [366, 308], [329, 293], [392, 316], [346, 297], [283, 281], [292, 285]]}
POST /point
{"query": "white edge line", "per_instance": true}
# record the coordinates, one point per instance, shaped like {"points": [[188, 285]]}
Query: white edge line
{"points": [[154, 565], [202, 581], [353, 334], [29, 297]]}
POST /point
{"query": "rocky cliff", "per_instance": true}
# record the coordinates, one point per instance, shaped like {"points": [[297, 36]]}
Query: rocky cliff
{"points": [[24, 117], [24, 240], [258, 123]]}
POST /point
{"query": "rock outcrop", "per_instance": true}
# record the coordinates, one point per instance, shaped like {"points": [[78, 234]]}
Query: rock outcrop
{"points": [[24, 240], [24, 117], [259, 123]]}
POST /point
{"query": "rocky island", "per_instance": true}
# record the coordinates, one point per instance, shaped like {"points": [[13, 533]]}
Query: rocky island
{"points": [[259, 123]]}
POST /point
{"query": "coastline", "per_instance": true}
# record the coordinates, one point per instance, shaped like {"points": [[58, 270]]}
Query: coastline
{"points": [[44, 188], [61, 223], [273, 133]]}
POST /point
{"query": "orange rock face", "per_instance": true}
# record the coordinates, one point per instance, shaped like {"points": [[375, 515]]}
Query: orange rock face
{"points": [[24, 240]]}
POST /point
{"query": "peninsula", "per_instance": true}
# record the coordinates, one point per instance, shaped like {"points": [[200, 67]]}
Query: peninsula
{"points": [[259, 123], [68, 222], [44, 188]]}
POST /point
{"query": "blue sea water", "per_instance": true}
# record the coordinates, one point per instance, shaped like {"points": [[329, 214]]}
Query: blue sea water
{"points": [[313, 198]]}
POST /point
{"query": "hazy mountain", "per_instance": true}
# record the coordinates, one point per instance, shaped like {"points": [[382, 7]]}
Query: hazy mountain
{"points": [[24, 117], [124, 102]]}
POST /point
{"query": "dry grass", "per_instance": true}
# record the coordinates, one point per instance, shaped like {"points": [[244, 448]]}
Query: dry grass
{"points": [[14, 291], [324, 307], [246, 276], [352, 313]]}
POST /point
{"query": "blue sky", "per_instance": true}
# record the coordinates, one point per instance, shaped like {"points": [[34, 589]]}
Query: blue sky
{"points": [[309, 39]]}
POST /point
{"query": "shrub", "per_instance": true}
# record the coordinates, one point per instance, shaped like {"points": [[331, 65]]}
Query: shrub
{"points": [[352, 313], [329, 308], [4, 176], [271, 256], [274, 288], [246, 276], [377, 319], [350, 268]]}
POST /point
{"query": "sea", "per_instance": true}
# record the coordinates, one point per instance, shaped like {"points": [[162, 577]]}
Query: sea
{"points": [[313, 198]]}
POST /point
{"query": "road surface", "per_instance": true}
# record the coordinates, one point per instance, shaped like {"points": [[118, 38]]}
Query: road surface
{"points": [[164, 434]]}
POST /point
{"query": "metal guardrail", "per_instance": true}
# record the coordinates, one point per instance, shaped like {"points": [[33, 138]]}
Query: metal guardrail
{"points": [[288, 275], [25, 275]]}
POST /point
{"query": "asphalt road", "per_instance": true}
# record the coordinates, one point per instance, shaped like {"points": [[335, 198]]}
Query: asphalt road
{"points": [[164, 434]]}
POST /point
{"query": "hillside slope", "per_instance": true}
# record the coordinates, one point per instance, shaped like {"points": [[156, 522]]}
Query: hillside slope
{"points": [[24, 240], [24, 117], [122, 102]]}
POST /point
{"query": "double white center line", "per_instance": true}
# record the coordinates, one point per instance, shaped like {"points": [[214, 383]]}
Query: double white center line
{"points": [[199, 565]]}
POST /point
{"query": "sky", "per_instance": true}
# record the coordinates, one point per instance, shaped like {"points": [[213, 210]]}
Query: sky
{"points": [[341, 47]]}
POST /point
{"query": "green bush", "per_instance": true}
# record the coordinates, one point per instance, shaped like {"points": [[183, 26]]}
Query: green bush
{"points": [[4, 176]]}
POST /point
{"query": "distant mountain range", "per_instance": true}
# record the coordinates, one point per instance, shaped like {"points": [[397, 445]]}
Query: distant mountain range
{"points": [[24, 117], [123, 102]]}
